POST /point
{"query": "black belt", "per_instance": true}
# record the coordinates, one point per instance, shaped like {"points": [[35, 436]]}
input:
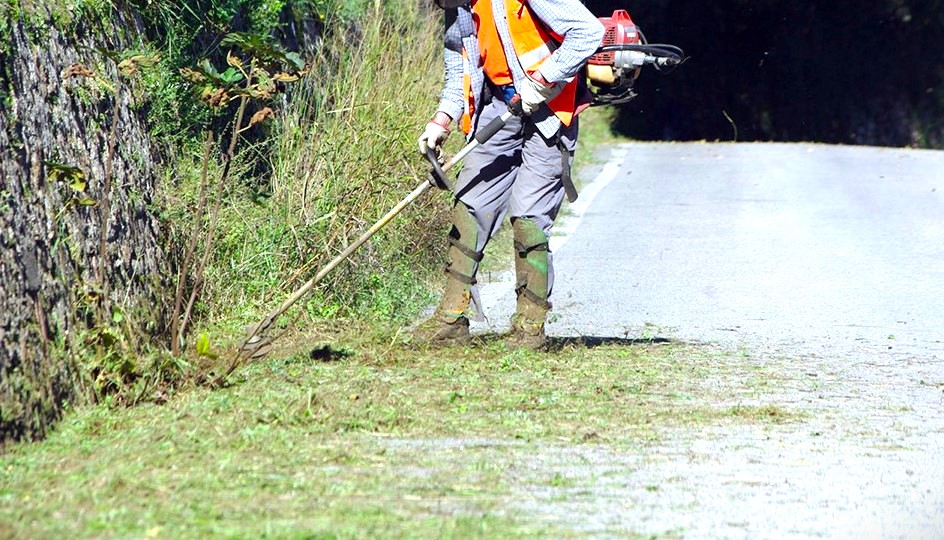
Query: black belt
{"points": [[502, 92]]}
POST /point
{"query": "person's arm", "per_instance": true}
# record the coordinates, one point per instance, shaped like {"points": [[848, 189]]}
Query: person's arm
{"points": [[582, 33], [452, 102]]}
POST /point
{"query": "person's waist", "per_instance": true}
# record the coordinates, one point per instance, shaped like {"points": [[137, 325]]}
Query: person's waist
{"points": [[503, 92]]}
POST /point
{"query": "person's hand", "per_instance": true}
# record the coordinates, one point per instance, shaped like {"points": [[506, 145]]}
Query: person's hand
{"points": [[435, 134], [535, 91]]}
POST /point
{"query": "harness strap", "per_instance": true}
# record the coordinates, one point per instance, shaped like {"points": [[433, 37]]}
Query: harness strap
{"points": [[462, 278], [523, 290], [465, 250], [523, 250], [566, 178]]}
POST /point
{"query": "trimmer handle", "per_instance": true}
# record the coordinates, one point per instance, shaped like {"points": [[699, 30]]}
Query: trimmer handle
{"points": [[514, 105], [437, 176]]}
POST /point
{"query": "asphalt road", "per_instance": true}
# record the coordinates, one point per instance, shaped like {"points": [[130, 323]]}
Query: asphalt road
{"points": [[826, 264], [783, 245]]}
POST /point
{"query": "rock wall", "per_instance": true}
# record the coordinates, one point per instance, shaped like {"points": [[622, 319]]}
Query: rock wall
{"points": [[50, 246]]}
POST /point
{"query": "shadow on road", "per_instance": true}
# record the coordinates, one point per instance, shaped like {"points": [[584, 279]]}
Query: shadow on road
{"points": [[557, 343]]}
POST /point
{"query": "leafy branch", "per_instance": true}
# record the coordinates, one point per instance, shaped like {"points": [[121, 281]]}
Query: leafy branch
{"points": [[256, 72]]}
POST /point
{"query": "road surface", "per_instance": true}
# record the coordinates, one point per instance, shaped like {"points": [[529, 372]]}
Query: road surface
{"points": [[825, 262]]}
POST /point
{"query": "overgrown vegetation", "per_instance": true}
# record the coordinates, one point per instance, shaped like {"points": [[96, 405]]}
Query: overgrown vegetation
{"points": [[342, 157], [250, 208], [337, 155], [255, 76]]}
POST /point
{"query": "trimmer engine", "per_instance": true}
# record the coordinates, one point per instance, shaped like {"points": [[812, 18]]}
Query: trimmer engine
{"points": [[613, 70]]}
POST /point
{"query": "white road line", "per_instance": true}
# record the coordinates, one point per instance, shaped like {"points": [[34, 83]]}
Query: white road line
{"points": [[493, 293], [568, 225]]}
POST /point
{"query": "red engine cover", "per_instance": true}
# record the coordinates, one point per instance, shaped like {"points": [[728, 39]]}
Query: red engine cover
{"points": [[620, 30]]}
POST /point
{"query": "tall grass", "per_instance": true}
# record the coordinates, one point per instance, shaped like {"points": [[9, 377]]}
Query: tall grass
{"points": [[342, 156]]}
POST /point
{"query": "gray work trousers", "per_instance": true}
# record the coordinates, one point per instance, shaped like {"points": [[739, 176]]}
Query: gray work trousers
{"points": [[516, 171]]}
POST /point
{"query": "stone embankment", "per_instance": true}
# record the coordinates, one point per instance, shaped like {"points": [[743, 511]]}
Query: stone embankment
{"points": [[54, 148]]}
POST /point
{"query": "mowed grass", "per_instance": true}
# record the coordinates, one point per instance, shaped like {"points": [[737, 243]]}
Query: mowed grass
{"points": [[316, 441]]}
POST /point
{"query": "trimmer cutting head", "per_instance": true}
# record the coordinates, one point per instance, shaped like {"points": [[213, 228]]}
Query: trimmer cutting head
{"points": [[257, 345]]}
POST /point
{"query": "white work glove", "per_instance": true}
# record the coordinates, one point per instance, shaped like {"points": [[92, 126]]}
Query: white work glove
{"points": [[533, 93], [433, 137]]}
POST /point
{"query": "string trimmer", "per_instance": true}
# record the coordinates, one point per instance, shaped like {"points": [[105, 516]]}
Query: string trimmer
{"points": [[255, 345], [611, 73]]}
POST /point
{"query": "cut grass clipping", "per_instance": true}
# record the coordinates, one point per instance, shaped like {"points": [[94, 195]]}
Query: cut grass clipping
{"points": [[336, 440]]}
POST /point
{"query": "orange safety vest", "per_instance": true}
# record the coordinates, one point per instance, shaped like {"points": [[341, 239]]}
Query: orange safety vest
{"points": [[533, 44], [491, 53]]}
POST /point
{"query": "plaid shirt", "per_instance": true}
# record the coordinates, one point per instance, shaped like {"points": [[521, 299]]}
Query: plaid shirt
{"points": [[582, 34]]}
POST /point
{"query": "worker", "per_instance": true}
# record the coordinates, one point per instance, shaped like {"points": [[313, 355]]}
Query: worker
{"points": [[496, 50]]}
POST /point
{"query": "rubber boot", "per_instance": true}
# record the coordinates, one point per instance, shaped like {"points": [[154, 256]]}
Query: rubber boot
{"points": [[450, 323], [531, 269]]}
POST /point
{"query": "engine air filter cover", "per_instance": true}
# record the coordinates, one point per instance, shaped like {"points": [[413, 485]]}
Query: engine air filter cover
{"points": [[619, 29]]}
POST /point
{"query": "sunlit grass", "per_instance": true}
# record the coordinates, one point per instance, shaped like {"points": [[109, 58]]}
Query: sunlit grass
{"points": [[301, 443]]}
